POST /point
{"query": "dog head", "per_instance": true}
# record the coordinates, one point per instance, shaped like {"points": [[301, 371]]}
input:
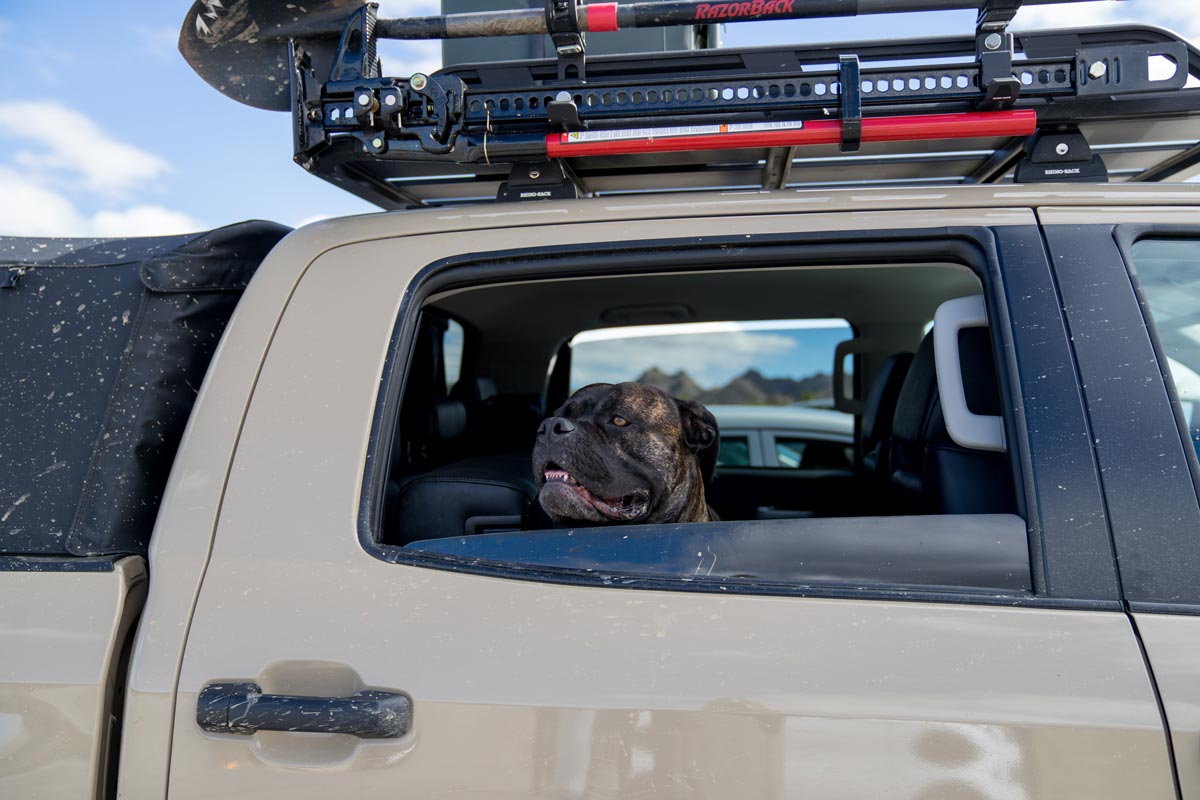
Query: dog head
{"points": [[625, 453]]}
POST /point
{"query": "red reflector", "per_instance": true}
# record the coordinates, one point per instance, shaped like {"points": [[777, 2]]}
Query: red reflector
{"points": [[602, 17], [732, 137]]}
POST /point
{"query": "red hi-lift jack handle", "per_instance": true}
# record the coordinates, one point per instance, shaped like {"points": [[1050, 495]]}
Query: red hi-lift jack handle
{"points": [[789, 134]]}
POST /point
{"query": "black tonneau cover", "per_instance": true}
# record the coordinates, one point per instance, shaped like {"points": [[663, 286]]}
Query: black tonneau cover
{"points": [[103, 345]]}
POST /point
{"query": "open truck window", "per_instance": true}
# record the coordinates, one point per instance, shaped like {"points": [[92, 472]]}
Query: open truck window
{"points": [[863, 483]]}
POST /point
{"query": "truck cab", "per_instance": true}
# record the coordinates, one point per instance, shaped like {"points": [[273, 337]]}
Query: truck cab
{"points": [[286, 540]]}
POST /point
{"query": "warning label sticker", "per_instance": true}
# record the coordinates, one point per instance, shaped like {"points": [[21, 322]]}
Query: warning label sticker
{"points": [[580, 137]]}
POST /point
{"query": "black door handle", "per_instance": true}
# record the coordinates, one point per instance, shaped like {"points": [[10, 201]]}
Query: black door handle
{"points": [[242, 708]]}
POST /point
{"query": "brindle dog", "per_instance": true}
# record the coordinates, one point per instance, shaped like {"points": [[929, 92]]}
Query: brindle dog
{"points": [[625, 453]]}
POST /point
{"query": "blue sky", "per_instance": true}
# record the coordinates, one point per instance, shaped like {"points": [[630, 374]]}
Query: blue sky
{"points": [[104, 130]]}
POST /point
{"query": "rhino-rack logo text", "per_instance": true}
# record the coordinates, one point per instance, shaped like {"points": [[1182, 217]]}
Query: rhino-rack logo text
{"points": [[755, 9]]}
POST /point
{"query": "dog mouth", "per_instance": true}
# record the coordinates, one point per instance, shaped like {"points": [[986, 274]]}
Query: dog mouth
{"points": [[624, 508]]}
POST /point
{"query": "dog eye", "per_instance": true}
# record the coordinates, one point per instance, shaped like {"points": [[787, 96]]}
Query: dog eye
{"points": [[620, 422]]}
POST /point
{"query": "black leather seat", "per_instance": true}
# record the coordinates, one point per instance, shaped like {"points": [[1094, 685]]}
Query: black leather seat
{"points": [[880, 413], [473, 495], [930, 473], [459, 496]]}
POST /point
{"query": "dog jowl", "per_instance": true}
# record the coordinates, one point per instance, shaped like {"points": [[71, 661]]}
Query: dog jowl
{"points": [[625, 453]]}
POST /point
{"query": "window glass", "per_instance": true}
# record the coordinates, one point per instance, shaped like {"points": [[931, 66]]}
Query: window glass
{"points": [[813, 454], [452, 350], [735, 452], [1169, 273]]}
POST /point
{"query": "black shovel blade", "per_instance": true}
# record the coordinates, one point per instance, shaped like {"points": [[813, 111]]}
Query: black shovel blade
{"points": [[240, 47]]}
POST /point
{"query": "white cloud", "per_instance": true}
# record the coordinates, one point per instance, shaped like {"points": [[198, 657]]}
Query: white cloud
{"points": [[685, 328], [1182, 17], [142, 220], [70, 163], [401, 59], [30, 208], [71, 145]]}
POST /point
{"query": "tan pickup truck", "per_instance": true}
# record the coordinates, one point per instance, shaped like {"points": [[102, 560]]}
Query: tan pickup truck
{"points": [[349, 589]]}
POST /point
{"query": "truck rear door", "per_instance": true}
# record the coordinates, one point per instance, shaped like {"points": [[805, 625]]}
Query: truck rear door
{"points": [[1131, 285], [322, 661]]}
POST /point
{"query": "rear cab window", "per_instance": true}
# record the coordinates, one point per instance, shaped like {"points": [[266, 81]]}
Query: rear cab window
{"points": [[800, 481]]}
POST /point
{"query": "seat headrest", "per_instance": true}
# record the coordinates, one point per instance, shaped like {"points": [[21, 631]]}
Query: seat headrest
{"points": [[883, 396], [447, 419], [918, 396]]}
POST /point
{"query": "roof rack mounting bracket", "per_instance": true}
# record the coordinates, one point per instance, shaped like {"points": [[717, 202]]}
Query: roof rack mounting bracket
{"points": [[562, 22], [539, 180], [851, 103], [1062, 155]]}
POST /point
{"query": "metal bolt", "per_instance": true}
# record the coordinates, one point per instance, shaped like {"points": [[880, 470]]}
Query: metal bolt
{"points": [[1097, 70], [389, 100], [418, 81], [315, 114], [377, 142], [563, 97], [1062, 149], [364, 99], [993, 41], [534, 174]]}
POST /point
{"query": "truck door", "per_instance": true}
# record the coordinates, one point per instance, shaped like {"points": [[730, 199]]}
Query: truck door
{"points": [[1136, 271], [322, 660]]}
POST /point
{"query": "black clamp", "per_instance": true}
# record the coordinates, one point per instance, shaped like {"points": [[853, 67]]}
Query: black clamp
{"points": [[994, 52], [439, 106], [851, 103], [564, 114], [562, 23]]}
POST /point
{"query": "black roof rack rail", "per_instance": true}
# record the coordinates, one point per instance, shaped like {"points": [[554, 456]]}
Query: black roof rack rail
{"points": [[1060, 105]]}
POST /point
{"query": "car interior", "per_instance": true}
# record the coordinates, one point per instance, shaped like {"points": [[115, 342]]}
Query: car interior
{"points": [[461, 455]]}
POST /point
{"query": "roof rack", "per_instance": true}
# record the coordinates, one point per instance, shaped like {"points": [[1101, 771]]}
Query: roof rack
{"points": [[1041, 106]]}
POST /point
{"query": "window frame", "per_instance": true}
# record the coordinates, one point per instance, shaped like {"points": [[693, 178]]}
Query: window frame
{"points": [[1169, 578], [753, 446], [770, 443], [978, 248]]}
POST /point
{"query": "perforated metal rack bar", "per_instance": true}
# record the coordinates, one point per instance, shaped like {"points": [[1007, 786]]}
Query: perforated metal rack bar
{"points": [[454, 136]]}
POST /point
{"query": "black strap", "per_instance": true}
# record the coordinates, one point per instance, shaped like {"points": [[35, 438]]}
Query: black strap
{"points": [[851, 101]]}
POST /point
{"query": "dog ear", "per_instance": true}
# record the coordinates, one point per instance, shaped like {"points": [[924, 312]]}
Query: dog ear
{"points": [[701, 434]]}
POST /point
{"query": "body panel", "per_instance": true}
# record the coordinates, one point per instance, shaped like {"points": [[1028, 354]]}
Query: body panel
{"points": [[525, 689], [1173, 648], [61, 640]]}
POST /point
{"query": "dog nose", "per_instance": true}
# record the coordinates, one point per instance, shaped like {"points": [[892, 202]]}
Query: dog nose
{"points": [[556, 427]]}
